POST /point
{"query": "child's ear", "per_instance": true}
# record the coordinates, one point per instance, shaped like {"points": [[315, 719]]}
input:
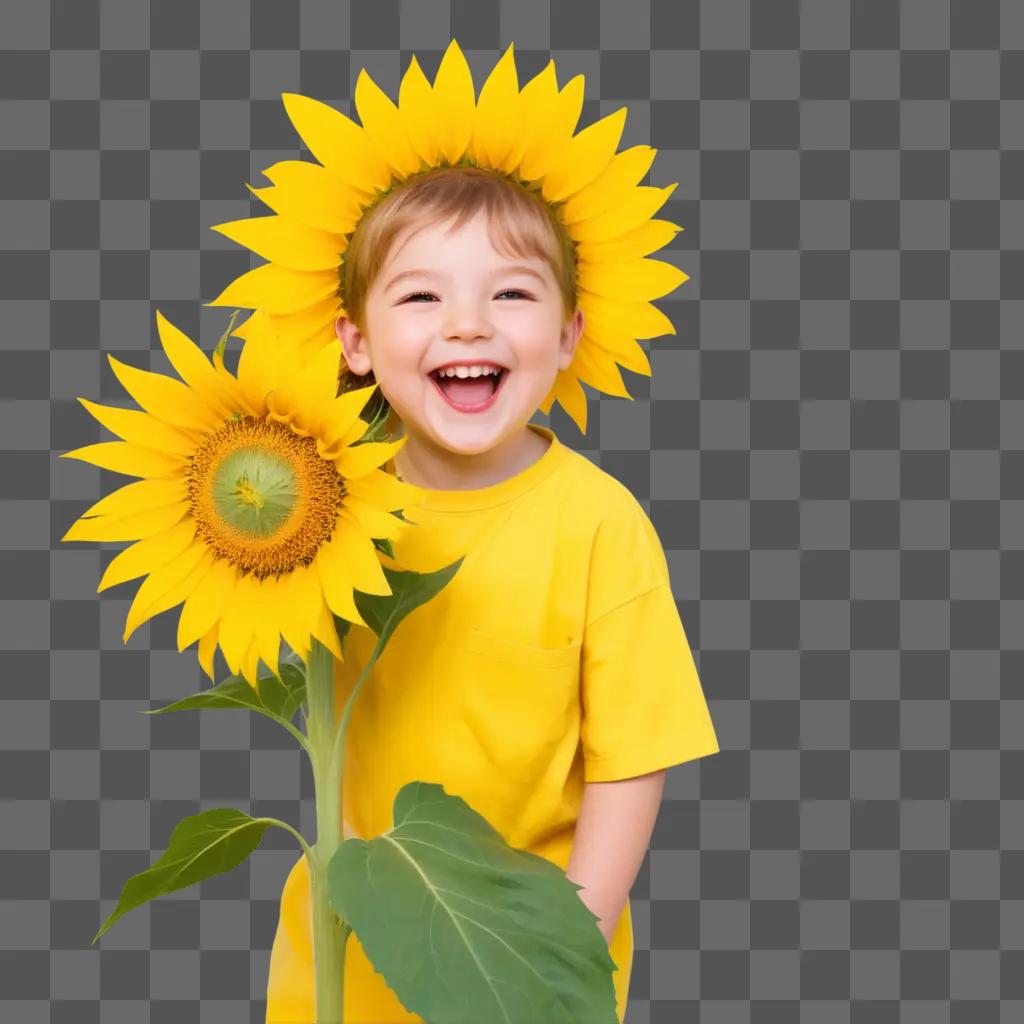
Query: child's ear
{"points": [[353, 344], [570, 338]]}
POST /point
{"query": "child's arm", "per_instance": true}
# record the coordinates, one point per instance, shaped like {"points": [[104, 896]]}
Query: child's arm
{"points": [[614, 827]]}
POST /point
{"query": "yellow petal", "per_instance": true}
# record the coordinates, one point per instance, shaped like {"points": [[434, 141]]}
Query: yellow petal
{"points": [[355, 462], [160, 582], [130, 459], [310, 194], [305, 395], [236, 623], [644, 239], [308, 338], [203, 607], [373, 521], [350, 547], [207, 650], [337, 583], [635, 206], [341, 415], [633, 280], [536, 100], [267, 640], [597, 368], [621, 345], [260, 362], [176, 594], [190, 363], [278, 289], [640, 319], [143, 429], [553, 116], [383, 124], [251, 664], [624, 171], [138, 497], [148, 555], [301, 598], [257, 325], [583, 157], [285, 242], [337, 142], [385, 490], [327, 632], [330, 443], [415, 105], [136, 526], [497, 122], [454, 102], [317, 319], [571, 396], [166, 398]]}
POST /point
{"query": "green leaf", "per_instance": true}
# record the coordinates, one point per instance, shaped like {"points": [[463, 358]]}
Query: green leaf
{"points": [[201, 846], [383, 613], [465, 928], [278, 697], [383, 544], [220, 346], [342, 626]]}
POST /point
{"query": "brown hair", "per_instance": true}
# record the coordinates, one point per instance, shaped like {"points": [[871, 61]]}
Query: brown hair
{"points": [[521, 224]]}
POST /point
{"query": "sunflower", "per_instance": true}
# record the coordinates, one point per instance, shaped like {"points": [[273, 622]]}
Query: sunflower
{"points": [[526, 135], [257, 507]]}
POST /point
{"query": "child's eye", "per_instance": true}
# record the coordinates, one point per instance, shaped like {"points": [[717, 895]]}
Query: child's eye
{"points": [[430, 295]]}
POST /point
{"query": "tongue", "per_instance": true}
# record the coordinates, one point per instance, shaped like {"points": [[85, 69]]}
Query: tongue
{"points": [[468, 390]]}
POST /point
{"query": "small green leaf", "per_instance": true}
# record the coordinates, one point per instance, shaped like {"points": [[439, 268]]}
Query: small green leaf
{"points": [[342, 626], [201, 846], [278, 697], [218, 351], [465, 928], [383, 613], [383, 544], [377, 412]]}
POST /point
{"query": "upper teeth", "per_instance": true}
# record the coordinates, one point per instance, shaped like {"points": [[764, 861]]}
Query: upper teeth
{"points": [[468, 371]]}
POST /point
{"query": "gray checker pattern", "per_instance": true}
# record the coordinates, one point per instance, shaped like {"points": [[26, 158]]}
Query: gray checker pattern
{"points": [[830, 448]]}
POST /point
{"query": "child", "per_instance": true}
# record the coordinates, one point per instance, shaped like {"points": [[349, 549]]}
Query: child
{"points": [[550, 684]]}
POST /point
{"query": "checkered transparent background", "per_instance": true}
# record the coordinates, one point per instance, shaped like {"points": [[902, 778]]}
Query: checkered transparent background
{"points": [[830, 449]]}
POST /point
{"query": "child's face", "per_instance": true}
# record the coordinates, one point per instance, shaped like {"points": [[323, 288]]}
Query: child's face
{"points": [[470, 305]]}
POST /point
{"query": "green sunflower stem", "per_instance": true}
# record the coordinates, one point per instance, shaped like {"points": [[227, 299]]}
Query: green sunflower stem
{"points": [[330, 933]]}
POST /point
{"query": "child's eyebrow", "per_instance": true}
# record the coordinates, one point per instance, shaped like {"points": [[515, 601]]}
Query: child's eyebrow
{"points": [[521, 268]]}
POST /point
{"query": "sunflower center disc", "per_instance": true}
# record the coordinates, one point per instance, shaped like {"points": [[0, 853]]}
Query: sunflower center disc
{"points": [[255, 491], [262, 497]]}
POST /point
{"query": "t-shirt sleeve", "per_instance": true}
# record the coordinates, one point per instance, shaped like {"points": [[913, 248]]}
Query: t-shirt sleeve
{"points": [[643, 707]]}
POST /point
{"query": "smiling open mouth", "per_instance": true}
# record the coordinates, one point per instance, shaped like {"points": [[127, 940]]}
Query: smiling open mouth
{"points": [[469, 394]]}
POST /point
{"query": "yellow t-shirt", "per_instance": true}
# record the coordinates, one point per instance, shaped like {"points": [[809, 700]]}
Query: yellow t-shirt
{"points": [[554, 657]]}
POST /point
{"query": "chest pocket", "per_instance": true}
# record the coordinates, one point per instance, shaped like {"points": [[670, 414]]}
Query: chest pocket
{"points": [[521, 709], [513, 653]]}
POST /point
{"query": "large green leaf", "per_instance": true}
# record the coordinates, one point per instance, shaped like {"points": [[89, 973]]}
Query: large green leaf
{"points": [[201, 846], [278, 697], [465, 928], [383, 613]]}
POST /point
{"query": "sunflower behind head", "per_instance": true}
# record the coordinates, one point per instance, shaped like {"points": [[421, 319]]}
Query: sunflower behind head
{"points": [[256, 509], [525, 134]]}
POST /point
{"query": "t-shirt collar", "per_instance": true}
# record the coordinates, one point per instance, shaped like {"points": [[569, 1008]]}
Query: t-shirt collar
{"points": [[481, 498]]}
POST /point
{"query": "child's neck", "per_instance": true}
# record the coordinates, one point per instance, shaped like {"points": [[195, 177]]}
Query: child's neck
{"points": [[423, 464]]}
